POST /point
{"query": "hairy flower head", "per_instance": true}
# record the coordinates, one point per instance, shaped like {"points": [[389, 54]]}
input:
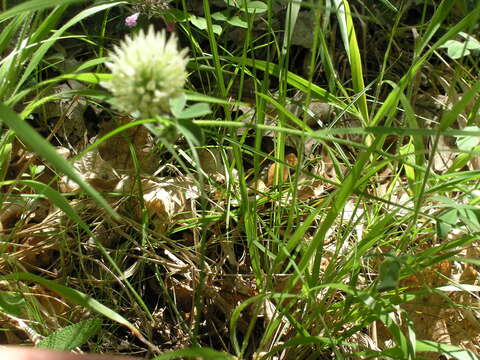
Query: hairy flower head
{"points": [[147, 70]]}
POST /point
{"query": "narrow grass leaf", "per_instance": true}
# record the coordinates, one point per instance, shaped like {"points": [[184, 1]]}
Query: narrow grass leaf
{"points": [[298, 82], [40, 53], [34, 5], [73, 295], [448, 350], [38, 144]]}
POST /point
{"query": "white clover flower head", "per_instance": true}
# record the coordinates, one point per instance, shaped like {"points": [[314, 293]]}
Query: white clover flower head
{"points": [[147, 71]]}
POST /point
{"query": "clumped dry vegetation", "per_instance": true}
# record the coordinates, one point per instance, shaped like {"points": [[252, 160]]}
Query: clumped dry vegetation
{"points": [[312, 194]]}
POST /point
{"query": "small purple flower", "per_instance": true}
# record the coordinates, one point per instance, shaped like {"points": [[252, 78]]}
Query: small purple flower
{"points": [[131, 21]]}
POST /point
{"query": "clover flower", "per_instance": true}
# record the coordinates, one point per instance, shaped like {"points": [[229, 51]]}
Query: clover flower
{"points": [[147, 71]]}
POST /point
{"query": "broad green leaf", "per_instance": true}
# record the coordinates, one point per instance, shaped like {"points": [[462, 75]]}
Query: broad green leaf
{"points": [[194, 111], [251, 7], [445, 223], [471, 42], [201, 23], [72, 336], [238, 22], [456, 49], [38, 144], [177, 104], [221, 15]]}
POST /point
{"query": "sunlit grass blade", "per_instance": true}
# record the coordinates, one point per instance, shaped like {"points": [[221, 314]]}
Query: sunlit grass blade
{"points": [[38, 144], [73, 295], [298, 82], [445, 349], [351, 45], [34, 5], [39, 54]]}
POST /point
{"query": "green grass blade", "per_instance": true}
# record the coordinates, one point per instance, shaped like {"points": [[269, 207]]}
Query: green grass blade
{"points": [[34, 5], [39, 54], [38, 144], [293, 9], [440, 15], [297, 81], [448, 350], [354, 57], [73, 295]]}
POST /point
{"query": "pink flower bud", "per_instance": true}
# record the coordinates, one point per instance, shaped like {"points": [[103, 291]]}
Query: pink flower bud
{"points": [[131, 21]]}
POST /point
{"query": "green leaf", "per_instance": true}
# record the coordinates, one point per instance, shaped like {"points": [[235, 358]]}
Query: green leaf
{"points": [[178, 104], [201, 23], [72, 336], [221, 15], [449, 350], [389, 5], [466, 143], [12, 303], [251, 7], [472, 43], [238, 22], [408, 151], [192, 132], [389, 274], [445, 223], [456, 49], [38, 144], [39, 54], [196, 110]]}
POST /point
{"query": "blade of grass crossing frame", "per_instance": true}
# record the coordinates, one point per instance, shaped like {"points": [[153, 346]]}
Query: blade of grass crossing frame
{"points": [[57, 198], [34, 5], [344, 16], [75, 296], [39, 54], [290, 20], [393, 98], [298, 82], [388, 109], [38, 144], [442, 12]]}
